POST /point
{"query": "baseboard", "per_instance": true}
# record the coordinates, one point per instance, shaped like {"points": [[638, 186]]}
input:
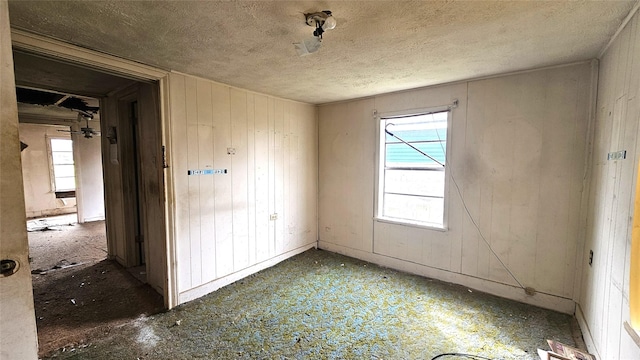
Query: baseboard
{"points": [[586, 332], [546, 301], [51, 212], [216, 284], [91, 219]]}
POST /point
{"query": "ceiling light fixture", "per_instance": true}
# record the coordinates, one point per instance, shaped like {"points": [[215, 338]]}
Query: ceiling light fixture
{"points": [[322, 21]]}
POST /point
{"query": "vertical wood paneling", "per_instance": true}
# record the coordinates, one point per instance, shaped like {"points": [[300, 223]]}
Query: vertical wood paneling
{"points": [[483, 222], [287, 226], [609, 169], [262, 182], [622, 60], [634, 53], [222, 220], [309, 183], [347, 149], [605, 283], [223, 186], [528, 151], [240, 178], [456, 169], [206, 198], [558, 146], [251, 178], [470, 192], [193, 162], [278, 175], [514, 142], [271, 111], [180, 161], [498, 137]]}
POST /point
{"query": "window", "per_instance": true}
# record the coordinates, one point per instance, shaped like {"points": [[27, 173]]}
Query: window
{"points": [[62, 164], [412, 168]]}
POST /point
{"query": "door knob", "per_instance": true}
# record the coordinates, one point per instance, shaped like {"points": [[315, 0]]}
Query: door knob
{"points": [[8, 267]]}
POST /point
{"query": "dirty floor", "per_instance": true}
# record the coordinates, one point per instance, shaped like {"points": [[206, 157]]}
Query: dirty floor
{"points": [[320, 305], [78, 293]]}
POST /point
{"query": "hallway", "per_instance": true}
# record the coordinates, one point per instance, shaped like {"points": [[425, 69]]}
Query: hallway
{"points": [[78, 292]]}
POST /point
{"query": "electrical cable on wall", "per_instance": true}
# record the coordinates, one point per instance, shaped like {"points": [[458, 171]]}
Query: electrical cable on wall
{"points": [[464, 205], [528, 290], [461, 355]]}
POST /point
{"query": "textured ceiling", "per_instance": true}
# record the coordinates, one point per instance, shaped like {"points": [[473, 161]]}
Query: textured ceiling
{"points": [[377, 46]]}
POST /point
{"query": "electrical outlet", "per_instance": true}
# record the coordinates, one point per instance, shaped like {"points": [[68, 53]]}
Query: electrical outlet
{"points": [[273, 217], [590, 257], [231, 151]]}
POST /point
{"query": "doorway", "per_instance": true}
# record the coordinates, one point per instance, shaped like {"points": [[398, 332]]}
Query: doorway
{"points": [[62, 179], [103, 294]]}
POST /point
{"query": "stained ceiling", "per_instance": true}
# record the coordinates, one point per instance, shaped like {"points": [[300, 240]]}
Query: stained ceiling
{"points": [[376, 47], [67, 89]]}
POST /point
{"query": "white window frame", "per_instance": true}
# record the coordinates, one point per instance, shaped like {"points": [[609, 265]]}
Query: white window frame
{"points": [[380, 166], [52, 174]]}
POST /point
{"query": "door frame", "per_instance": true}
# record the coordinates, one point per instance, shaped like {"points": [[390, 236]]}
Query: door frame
{"points": [[18, 336], [136, 71]]}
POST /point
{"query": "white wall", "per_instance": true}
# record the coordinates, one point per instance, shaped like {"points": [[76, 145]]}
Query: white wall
{"points": [[90, 186], [222, 222], [604, 300], [40, 197], [517, 151]]}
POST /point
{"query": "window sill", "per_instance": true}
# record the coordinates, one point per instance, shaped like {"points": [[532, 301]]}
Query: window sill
{"points": [[410, 223], [632, 333], [65, 194]]}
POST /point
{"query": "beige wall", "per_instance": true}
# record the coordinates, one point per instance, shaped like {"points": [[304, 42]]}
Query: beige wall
{"points": [[90, 190], [222, 222], [40, 197], [604, 300], [517, 150], [17, 318]]}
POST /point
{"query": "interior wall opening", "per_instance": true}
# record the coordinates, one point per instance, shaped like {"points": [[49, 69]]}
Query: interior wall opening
{"points": [[85, 246]]}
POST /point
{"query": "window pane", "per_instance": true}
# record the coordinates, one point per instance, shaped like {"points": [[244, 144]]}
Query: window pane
{"points": [[61, 145], [416, 134], [425, 182], [62, 158], [421, 209], [404, 155], [65, 183], [63, 170], [413, 175]]}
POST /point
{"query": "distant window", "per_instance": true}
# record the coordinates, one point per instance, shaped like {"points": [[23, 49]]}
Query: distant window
{"points": [[62, 162], [412, 168]]}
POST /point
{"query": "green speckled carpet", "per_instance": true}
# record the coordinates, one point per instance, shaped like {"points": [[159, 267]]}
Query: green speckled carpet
{"points": [[320, 305]]}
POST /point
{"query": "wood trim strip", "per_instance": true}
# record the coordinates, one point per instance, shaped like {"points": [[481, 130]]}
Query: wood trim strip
{"points": [[23, 40], [632, 333]]}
